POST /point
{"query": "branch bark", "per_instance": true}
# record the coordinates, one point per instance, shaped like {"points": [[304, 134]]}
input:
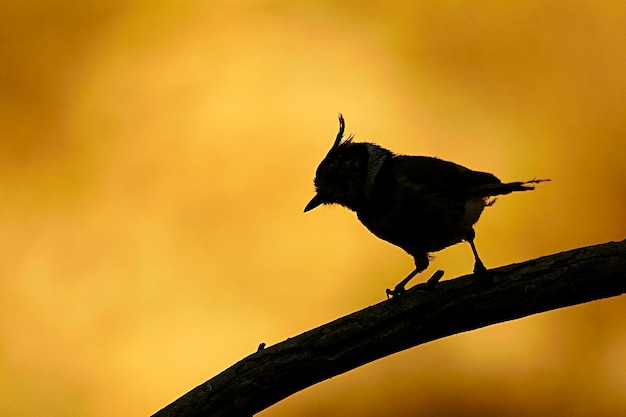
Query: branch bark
{"points": [[419, 316]]}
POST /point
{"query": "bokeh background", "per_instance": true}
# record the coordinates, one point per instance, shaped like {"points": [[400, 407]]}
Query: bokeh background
{"points": [[155, 159]]}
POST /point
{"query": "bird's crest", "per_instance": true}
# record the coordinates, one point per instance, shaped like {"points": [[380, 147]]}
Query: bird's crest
{"points": [[342, 128]]}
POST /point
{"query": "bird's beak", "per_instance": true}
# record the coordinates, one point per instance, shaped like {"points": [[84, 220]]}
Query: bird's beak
{"points": [[315, 201]]}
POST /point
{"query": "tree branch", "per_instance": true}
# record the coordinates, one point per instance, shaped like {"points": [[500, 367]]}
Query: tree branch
{"points": [[419, 316]]}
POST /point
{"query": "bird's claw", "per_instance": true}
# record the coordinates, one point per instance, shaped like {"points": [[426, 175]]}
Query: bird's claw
{"points": [[482, 275], [397, 290], [401, 287]]}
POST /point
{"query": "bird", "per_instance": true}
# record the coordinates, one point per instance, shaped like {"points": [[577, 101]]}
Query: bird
{"points": [[421, 204]]}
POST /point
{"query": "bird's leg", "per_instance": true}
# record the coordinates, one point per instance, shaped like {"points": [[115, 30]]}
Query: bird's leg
{"points": [[421, 263], [400, 287], [480, 272]]}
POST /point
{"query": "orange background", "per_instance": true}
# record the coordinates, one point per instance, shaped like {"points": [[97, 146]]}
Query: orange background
{"points": [[155, 159]]}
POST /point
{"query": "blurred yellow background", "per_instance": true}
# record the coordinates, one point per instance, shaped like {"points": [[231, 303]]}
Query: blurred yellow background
{"points": [[155, 159]]}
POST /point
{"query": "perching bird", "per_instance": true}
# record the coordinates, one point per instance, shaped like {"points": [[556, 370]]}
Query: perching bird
{"points": [[419, 203]]}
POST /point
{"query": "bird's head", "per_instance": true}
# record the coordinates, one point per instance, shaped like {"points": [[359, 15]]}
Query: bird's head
{"points": [[346, 175]]}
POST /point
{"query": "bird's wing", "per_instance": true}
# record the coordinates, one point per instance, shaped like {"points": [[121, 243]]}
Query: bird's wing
{"points": [[439, 176]]}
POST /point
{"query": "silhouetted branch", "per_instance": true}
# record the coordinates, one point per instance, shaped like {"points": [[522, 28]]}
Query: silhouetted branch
{"points": [[419, 316]]}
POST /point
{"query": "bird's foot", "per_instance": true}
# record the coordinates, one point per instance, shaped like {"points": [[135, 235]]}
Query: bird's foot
{"points": [[398, 289], [401, 287], [481, 274]]}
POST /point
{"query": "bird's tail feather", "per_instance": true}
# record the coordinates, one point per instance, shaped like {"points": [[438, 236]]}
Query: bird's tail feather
{"points": [[492, 190]]}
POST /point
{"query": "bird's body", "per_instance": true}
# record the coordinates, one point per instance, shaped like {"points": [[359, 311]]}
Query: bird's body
{"points": [[421, 204], [418, 213]]}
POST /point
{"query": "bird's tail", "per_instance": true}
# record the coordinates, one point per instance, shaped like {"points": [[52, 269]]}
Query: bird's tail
{"points": [[492, 190]]}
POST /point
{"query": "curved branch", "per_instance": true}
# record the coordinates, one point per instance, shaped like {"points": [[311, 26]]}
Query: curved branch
{"points": [[419, 316]]}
